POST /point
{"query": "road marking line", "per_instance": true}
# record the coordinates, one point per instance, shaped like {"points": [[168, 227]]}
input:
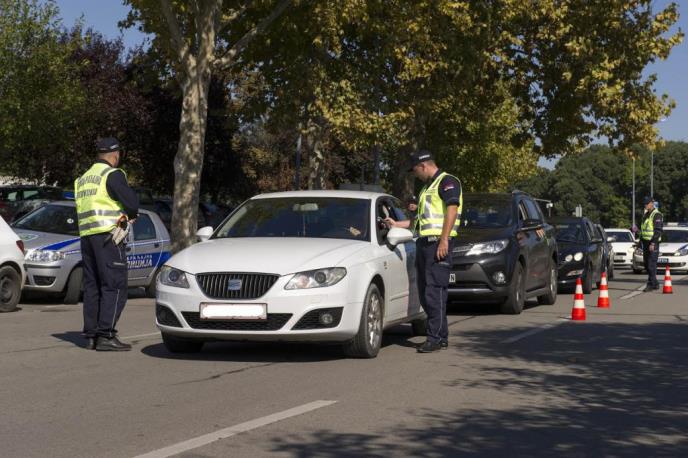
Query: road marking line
{"points": [[636, 292], [530, 332], [206, 439]]}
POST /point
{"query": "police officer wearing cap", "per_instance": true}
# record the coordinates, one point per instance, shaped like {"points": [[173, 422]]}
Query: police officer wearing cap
{"points": [[103, 197], [650, 237], [437, 223]]}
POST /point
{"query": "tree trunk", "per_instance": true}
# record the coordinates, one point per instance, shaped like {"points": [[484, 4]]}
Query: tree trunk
{"points": [[316, 158], [188, 162]]}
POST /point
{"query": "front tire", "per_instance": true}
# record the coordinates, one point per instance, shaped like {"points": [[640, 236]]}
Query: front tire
{"points": [[10, 289], [74, 286], [587, 280], [551, 297], [367, 342], [176, 345], [513, 305]]}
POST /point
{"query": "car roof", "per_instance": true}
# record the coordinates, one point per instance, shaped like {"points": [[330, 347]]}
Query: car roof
{"points": [[617, 229], [675, 228], [344, 194], [489, 195]]}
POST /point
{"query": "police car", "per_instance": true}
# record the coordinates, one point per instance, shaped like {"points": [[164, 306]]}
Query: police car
{"points": [[11, 268], [53, 251], [295, 266], [673, 250]]}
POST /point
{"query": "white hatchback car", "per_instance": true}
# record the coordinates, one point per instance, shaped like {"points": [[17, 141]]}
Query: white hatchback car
{"points": [[673, 250], [623, 245], [294, 266], [12, 274]]}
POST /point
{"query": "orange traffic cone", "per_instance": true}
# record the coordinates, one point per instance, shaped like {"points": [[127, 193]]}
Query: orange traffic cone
{"points": [[603, 299], [667, 282], [578, 312]]}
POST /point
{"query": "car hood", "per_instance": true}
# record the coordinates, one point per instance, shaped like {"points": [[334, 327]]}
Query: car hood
{"points": [[280, 256], [477, 235], [622, 246], [35, 240], [671, 247]]}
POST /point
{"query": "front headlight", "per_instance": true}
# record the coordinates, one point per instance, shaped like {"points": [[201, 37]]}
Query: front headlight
{"points": [[492, 247], [170, 276], [574, 257], [683, 251], [316, 278], [44, 256]]}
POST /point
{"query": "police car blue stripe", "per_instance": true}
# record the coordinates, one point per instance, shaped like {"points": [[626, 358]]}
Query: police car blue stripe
{"points": [[58, 245]]}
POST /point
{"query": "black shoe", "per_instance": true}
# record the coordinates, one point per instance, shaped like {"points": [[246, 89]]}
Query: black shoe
{"points": [[655, 287], [429, 347], [111, 344], [90, 343], [648, 289], [444, 344]]}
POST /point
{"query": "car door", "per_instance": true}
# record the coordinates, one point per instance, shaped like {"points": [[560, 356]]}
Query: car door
{"points": [[538, 263], [527, 239], [394, 261], [595, 250], [146, 249]]}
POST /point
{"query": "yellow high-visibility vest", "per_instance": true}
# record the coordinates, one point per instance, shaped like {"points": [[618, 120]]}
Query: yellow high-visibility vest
{"points": [[431, 210], [96, 210], [647, 229]]}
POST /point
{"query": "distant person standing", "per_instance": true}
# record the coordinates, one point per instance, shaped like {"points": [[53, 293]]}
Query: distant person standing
{"points": [[104, 202], [650, 238], [437, 223]]}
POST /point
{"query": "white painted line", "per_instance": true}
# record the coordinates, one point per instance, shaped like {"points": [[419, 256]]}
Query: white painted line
{"points": [[630, 295], [530, 332], [206, 439]]}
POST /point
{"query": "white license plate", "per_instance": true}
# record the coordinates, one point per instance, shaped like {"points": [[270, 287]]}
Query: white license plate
{"points": [[452, 277], [663, 261], [234, 311]]}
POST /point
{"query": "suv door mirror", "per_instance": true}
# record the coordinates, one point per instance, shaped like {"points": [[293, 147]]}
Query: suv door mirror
{"points": [[204, 233], [397, 235], [611, 239]]}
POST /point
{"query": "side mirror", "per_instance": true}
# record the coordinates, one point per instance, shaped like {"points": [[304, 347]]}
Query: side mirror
{"points": [[204, 233], [611, 239], [397, 235]]}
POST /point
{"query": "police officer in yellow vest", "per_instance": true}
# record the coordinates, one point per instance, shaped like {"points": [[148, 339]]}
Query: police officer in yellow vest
{"points": [[650, 237], [437, 223], [103, 197]]}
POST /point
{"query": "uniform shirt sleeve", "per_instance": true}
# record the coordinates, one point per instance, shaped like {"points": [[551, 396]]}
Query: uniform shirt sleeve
{"points": [[450, 190], [658, 226], [119, 190]]}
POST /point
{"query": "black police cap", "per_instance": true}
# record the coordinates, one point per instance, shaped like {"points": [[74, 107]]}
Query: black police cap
{"points": [[107, 144], [647, 200], [418, 157]]}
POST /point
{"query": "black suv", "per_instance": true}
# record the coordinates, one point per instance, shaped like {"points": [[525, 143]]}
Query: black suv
{"points": [[505, 252]]}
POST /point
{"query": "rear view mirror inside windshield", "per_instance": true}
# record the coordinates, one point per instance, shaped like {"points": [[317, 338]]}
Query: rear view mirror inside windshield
{"points": [[309, 207]]}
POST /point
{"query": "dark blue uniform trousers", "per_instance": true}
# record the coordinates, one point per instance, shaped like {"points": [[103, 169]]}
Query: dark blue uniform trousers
{"points": [[105, 284], [433, 282], [650, 261]]}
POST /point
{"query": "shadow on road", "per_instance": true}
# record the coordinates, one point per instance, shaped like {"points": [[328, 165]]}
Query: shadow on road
{"points": [[275, 352], [584, 390]]}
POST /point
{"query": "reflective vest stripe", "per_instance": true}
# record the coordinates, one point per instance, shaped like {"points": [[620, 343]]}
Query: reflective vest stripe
{"points": [[109, 223], [89, 213]]}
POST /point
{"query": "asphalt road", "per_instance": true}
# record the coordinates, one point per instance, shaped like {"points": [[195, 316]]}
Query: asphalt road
{"points": [[535, 384]]}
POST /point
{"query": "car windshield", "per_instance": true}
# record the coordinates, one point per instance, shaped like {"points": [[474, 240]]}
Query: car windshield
{"points": [[483, 212], [569, 232], [620, 236], [672, 236], [57, 219], [311, 217]]}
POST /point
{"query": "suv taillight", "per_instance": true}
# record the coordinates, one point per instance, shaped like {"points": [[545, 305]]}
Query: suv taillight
{"points": [[20, 245]]}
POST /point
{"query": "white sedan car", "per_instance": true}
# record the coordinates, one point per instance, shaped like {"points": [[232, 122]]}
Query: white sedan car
{"points": [[623, 245], [294, 266], [12, 273], [673, 250]]}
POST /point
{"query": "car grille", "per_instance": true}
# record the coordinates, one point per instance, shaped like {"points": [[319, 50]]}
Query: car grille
{"points": [[274, 322], [311, 320], [249, 286], [166, 317]]}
